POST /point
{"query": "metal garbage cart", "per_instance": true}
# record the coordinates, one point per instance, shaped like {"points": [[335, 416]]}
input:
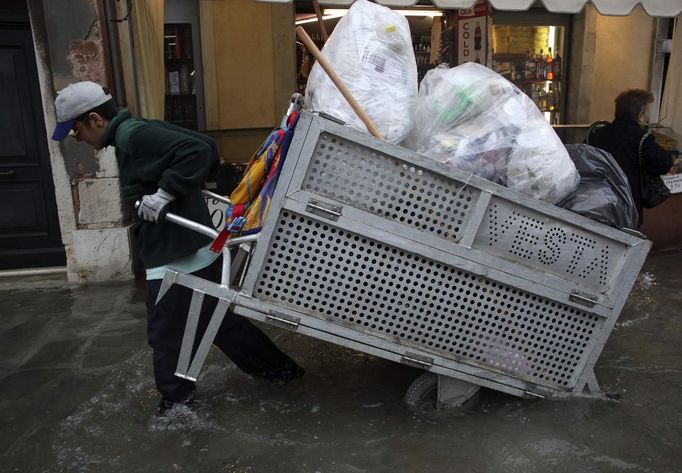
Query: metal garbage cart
{"points": [[373, 247]]}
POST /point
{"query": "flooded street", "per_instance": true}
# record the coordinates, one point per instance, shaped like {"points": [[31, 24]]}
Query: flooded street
{"points": [[78, 396]]}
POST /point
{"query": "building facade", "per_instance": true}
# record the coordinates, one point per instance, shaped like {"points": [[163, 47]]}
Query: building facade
{"points": [[248, 71]]}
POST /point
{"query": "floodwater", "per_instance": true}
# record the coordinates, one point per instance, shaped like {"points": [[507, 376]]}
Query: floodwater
{"points": [[77, 396]]}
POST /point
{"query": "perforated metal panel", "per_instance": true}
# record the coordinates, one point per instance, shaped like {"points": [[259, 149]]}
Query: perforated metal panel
{"points": [[352, 174], [373, 244], [344, 278], [355, 175], [574, 254]]}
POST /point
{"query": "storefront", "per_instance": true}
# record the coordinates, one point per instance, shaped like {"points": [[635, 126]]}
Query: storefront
{"points": [[234, 68], [571, 57], [571, 61], [539, 50]]}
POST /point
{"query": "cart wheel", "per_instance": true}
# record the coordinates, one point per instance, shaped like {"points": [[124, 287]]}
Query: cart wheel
{"points": [[423, 389]]}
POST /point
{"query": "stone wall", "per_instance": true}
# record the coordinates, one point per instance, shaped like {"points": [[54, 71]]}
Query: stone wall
{"points": [[70, 43]]}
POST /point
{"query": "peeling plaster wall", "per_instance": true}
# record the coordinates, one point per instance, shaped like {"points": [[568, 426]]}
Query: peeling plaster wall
{"points": [[75, 41], [70, 47]]}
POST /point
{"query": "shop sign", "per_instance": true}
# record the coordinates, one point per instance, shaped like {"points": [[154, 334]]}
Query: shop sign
{"points": [[674, 183], [674, 178], [472, 34], [217, 211]]}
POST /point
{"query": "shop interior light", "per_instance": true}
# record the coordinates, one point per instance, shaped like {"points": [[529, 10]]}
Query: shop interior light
{"points": [[551, 38], [414, 12], [313, 18]]}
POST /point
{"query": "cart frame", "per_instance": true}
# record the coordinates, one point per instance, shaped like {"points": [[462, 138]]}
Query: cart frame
{"points": [[373, 247]]}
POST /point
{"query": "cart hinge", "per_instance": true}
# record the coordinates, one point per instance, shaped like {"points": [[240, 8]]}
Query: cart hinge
{"points": [[323, 209], [283, 320], [417, 361], [331, 118], [585, 299], [632, 231]]}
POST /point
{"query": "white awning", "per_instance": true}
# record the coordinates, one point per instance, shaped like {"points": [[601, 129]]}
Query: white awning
{"points": [[605, 7]]}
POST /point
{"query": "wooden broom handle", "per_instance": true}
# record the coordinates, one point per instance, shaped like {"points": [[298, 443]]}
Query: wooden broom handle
{"points": [[303, 36], [320, 21]]}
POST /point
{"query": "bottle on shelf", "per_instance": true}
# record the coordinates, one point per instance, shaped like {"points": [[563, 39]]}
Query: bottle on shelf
{"points": [[530, 66], [556, 66], [541, 66], [551, 98], [534, 95], [542, 96], [549, 60]]}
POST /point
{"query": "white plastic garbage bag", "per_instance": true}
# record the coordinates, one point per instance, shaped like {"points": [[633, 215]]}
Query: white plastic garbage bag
{"points": [[371, 51], [474, 119]]}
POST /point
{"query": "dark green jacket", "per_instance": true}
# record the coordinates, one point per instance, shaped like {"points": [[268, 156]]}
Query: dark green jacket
{"points": [[153, 154]]}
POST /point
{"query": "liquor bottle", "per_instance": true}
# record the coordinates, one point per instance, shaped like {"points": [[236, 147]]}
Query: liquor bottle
{"points": [[551, 98], [557, 96], [549, 65], [542, 95], [531, 72], [543, 65], [477, 37], [556, 66], [540, 66]]}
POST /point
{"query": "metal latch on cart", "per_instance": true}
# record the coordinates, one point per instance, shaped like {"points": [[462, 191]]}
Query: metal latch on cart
{"points": [[417, 361], [323, 209], [585, 299], [283, 320]]}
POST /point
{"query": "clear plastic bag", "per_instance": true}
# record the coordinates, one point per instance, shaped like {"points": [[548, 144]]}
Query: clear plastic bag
{"points": [[371, 51], [474, 119]]}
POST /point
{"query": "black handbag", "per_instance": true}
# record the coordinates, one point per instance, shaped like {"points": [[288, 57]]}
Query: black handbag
{"points": [[654, 191]]}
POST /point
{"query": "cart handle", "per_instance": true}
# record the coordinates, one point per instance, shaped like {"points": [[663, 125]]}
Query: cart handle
{"points": [[217, 197], [210, 232]]}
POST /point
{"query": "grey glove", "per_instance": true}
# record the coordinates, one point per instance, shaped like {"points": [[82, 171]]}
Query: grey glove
{"points": [[154, 206]]}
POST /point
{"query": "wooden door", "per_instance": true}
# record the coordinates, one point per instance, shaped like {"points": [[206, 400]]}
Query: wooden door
{"points": [[29, 225]]}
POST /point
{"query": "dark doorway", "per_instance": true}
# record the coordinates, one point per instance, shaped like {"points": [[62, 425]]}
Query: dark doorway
{"points": [[29, 225]]}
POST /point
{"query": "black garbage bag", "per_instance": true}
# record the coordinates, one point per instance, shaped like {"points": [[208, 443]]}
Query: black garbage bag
{"points": [[604, 193]]}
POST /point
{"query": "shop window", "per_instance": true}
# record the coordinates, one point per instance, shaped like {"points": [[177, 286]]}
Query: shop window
{"points": [[184, 100], [181, 95], [530, 50]]}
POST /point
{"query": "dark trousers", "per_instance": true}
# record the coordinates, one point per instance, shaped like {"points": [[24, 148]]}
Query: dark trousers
{"points": [[249, 348]]}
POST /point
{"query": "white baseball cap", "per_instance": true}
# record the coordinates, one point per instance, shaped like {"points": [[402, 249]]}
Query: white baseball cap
{"points": [[73, 101]]}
